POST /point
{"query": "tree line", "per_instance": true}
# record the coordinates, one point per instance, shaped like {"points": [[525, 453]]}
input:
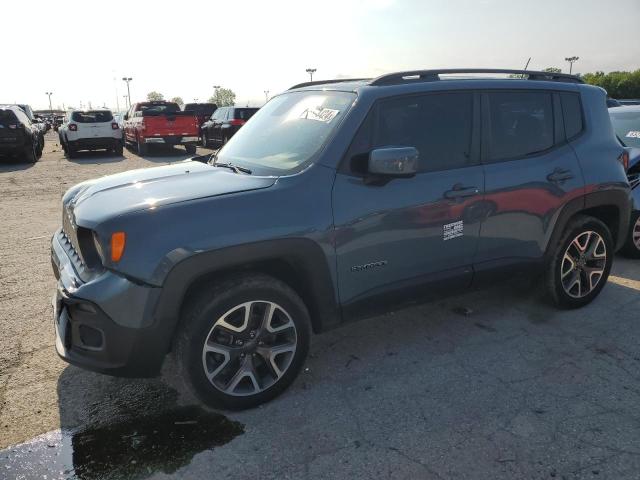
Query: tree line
{"points": [[223, 97], [617, 84]]}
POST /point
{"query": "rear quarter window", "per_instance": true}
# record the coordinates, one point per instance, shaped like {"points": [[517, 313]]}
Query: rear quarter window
{"points": [[572, 114]]}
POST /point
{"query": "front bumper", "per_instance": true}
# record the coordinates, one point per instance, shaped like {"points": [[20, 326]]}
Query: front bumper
{"points": [[104, 324], [173, 140]]}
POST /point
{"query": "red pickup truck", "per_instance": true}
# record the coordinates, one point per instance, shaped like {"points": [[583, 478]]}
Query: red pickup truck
{"points": [[162, 123]]}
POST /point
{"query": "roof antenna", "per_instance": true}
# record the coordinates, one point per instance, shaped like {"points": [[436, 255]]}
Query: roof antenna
{"points": [[525, 67]]}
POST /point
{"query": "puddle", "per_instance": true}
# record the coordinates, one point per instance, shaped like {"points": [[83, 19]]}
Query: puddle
{"points": [[134, 449]]}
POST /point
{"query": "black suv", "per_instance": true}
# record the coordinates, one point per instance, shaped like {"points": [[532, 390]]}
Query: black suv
{"points": [[338, 200], [18, 136], [224, 123]]}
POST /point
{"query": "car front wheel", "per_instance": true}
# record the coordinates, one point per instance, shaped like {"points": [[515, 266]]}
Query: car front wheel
{"points": [[191, 149], [632, 245], [243, 341], [580, 265]]}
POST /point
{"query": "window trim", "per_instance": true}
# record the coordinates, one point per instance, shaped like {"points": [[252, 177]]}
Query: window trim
{"points": [[475, 142], [582, 116], [487, 130]]}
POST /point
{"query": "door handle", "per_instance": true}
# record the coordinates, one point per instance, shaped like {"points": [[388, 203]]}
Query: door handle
{"points": [[560, 175], [460, 191]]}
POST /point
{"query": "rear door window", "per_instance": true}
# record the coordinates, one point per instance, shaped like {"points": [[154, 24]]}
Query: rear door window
{"points": [[439, 126], [92, 117], [520, 124]]}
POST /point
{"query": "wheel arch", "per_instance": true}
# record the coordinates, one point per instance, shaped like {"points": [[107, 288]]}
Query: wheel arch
{"points": [[300, 263]]}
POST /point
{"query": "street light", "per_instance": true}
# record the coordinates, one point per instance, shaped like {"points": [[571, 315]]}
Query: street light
{"points": [[571, 61], [311, 71], [128, 79], [50, 107]]}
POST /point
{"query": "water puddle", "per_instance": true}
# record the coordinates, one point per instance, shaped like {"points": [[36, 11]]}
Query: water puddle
{"points": [[133, 449]]}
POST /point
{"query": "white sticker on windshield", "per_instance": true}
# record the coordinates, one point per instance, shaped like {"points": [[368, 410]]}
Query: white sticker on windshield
{"points": [[324, 115], [633, 134]]}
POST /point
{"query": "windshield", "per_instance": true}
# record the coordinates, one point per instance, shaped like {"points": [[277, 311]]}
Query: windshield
{"points": [[285, 134], [92, 117], [627, 127]]}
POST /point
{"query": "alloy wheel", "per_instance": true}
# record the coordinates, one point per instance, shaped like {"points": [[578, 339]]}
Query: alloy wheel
{"points": [[635, 233], [583, 264], [249, 348]]}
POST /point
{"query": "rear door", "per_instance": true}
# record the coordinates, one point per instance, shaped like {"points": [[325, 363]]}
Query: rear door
{"points": [[530, 173], [398, 240]]}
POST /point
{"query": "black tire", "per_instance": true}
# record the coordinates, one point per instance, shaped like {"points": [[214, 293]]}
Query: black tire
{"points": [[212, 302], [142, 148], [631, 247], [191, 149], [31, 151], [225, 140], [71, 151], [579, 225], [204, 141]]}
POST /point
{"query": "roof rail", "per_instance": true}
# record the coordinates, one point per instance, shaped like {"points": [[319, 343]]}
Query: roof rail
{"points": [[434, 75], [321, 82]]}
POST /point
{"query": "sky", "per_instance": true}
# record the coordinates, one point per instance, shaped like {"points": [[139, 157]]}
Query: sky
{"points": [[80, 49]]}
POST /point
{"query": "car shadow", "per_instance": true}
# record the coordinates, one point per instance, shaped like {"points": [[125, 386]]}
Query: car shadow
{"points": [[13, 164], [95, 157]]}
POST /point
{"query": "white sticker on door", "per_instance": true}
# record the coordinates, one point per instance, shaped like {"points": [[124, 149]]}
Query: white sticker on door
{"points": [[452, 230], [633, 134]]}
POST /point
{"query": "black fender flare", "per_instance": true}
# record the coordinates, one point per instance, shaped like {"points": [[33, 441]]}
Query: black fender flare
{"points": [[618, 197], [315, 282]]}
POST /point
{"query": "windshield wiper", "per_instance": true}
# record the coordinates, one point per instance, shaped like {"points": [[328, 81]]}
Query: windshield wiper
{"points": [[233, 167]]}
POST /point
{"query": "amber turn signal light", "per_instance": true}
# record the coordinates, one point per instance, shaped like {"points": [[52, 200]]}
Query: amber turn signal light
{"points": [[118, 240]]}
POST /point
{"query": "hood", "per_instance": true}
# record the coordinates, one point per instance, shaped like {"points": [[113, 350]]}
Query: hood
{"points": [[97, 200]]}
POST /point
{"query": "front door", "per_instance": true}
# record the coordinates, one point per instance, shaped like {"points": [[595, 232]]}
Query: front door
{"points": [[396, 238]]}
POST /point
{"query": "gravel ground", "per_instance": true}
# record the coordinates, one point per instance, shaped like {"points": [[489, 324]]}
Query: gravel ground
{"points": [[493, 384]]}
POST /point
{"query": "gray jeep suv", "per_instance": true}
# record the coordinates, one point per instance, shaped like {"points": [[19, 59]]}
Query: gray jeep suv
{"points": [[338, 199]]}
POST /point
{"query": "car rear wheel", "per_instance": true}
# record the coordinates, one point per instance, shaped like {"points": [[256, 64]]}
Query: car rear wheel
{"points": [[31, 152], [118, 149], [580, 265], [191, 149], [243, 341], [204, 140], [632, 245], [142, 148]]}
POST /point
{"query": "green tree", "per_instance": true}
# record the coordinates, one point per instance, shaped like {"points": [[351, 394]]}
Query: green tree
{"points": [[224, 97], [617, 84], [178, 100], [154, 96]]}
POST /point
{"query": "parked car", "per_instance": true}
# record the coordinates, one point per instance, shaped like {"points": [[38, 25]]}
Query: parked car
{"points": [[18, 136], [160, 123], [629, 101], [32, 118], [201, 110], [224, 123], [57, 122], [626, 125], [337, 200], [90, 130]]}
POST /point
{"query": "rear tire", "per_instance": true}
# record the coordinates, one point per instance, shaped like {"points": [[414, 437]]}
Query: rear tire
{"points": [[31, 152], [142, 148], [191, 149], [631, 247], [226, 365], [71, 151], [580, 264], [118, 149], [204, 141]]}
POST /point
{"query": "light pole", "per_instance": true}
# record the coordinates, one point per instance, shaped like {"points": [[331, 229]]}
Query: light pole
{"points": [[571, 61], [50, 107], [216, 88], [266, 96], [311, 71], [128, 79]]}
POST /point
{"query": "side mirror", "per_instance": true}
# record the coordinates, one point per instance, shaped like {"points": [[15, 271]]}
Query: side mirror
{"points": [[393, 162]]}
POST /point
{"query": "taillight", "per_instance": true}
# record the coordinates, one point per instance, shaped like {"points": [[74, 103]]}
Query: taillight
{"points": [[114, 126], [73, 127], [237, 121], [624, 160]]}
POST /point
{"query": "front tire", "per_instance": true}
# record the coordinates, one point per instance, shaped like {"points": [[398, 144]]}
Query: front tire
{"points": [[191, 149], [243, 341], [31, 152], [632, 245], [580, 265]]}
